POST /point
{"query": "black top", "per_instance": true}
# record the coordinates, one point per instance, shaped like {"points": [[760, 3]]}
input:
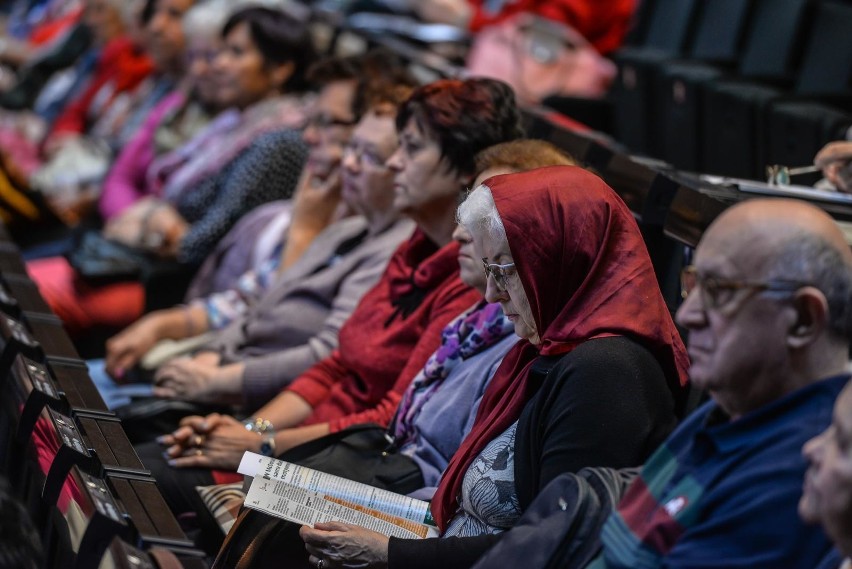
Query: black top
{"points": [[606, 403]]}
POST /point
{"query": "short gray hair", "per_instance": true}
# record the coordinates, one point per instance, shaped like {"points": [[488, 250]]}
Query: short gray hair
{"points": [[206, 19], [809, 258], [478, 212]]}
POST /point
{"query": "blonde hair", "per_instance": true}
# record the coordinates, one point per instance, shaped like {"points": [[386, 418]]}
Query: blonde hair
{"points": [[522, 155]]}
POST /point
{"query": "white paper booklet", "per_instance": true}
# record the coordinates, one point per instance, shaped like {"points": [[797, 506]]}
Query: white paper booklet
{"points": [[306, 496]]}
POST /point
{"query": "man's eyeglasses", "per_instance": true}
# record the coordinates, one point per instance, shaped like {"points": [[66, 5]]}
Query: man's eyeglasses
{"points": [[718, 292], [500, 273]]}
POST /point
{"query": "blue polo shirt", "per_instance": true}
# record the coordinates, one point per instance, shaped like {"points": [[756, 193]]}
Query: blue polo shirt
{"points": [[721, 493]]}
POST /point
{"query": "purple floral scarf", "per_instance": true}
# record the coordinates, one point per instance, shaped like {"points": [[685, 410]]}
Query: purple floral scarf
{"points": [[475, 330]]}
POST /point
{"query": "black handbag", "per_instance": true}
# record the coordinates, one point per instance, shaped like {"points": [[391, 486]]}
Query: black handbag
{"points": [[359, 453], [98, 260]]}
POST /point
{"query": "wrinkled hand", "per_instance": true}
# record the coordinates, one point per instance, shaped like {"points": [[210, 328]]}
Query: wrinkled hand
{"points": [[164, 229], [125, 229], [125, 349], [344, 545], [215, 441], [835, 159], [317, 193], [190, 378]]}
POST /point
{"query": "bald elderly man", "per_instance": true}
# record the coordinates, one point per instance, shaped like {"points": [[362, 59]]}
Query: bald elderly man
{"points": [[768, 316]]}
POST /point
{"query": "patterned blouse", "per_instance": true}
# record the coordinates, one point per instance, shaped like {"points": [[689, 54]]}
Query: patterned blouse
{"points": [[489, 501]]}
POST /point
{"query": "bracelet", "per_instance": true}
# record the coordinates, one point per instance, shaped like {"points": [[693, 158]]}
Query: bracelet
{"points": [[259, 425]]}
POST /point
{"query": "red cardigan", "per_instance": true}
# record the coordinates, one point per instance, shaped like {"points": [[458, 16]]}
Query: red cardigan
{"points": [[363, 380]]}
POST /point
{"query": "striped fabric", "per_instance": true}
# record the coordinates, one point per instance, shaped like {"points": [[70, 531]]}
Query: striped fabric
{"points": [[722, 493], [224, 502]]}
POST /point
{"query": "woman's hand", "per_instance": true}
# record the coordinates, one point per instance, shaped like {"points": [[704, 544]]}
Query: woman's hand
{"points": [[125, 349], [126, 229], [215, 441], [199, 378], [164, 230], [127, 226], [344, 545]]}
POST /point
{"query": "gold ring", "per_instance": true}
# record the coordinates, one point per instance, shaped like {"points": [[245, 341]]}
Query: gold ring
{"points": [[199, 452], [198, 441]]}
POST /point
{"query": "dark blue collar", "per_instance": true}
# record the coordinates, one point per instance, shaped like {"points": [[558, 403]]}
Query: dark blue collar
{"points": [[761, 423]]}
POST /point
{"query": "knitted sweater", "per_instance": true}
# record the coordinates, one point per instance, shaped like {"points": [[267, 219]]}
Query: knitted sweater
{"points": [[267, 170]]}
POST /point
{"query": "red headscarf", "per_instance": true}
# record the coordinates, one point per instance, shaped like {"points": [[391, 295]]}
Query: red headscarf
{"points": [[587, 274]]}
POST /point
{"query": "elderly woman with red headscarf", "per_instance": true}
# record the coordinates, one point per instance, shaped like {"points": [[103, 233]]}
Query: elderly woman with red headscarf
{"points": [[596, 381]]}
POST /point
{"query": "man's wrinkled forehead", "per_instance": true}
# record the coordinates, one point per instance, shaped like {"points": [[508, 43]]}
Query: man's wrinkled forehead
{"points": [[727, 251]]}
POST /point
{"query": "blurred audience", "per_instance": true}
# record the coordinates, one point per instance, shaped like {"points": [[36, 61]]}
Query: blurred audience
{"points": [[286, 320], [203, 187]]}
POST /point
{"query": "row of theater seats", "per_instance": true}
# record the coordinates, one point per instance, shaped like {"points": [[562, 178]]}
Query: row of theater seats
{"points": [[729, 86], [83, 482], [673, 202], [65, 454]]}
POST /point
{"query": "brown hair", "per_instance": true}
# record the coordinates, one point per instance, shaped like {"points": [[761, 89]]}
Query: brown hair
{"points": [[522, 155], [463, 117], [381, 78]]}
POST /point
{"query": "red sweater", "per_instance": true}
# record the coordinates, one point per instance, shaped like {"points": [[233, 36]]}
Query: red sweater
{"points": [[120, 63], [363, 380], [603, 23]]}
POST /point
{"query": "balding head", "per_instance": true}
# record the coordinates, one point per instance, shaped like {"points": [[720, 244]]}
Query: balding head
{"points": [[772, 309], [769, 225], [789, 240]]}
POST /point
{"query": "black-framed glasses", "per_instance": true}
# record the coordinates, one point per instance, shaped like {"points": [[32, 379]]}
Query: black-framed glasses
{"points": [[718, 292], [500, 273]]}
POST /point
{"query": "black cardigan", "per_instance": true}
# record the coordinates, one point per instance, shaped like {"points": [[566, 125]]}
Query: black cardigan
{"points": [[606, 403]]}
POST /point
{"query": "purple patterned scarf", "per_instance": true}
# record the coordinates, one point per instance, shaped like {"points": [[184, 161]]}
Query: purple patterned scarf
{"points": [[475, 330]]}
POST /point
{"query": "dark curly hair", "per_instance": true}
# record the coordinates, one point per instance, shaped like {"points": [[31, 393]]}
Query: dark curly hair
{"points": [[464, 116], [281, 38], [385, 79], [381, 76]]}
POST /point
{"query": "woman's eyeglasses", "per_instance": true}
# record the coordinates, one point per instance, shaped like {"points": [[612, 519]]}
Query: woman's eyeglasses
{"points": [[326, 121], [718, 292], [500, 273], [364, 156]]}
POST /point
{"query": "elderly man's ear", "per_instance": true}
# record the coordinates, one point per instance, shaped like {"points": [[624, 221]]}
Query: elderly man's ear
{"points": [[810, 317]]}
